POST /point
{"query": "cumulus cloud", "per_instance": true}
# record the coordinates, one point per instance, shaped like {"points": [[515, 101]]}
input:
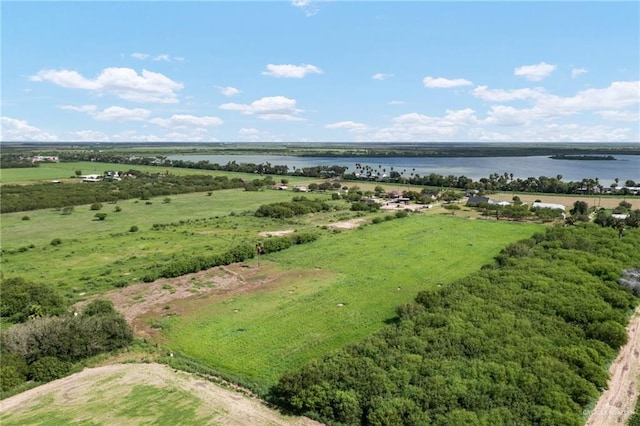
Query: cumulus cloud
{"points": [[116, 113], [535, 72], [82, 108], [229, 91], [89, 136], [178, 121], [381, 76], [351, 126], [506, 116], [415, 127], [445, 83], [268, 108], [578, 71], [291, 71], [620, 94], [13, 130], [125, 83], [620, 115], [501, 95]]}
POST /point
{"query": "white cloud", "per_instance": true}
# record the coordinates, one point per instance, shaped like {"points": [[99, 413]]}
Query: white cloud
{"points": [[89, 136], [396, 102], [415, 127], [116, 113], [578, 71], [254, 135], [619, 94], [82, 108], [291, 71], [535, 72], [305, 6], [501, 115], [141, 56], [229, 91], [162, 57], [445, 83], [268, 108], [351, 126], [381, 76], [178, 121], [20, 131], [620, 115], [122, 82], [501, 95]]}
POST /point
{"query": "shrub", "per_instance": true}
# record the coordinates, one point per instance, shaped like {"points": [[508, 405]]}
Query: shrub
{"points": [[99, 306], [100, 216], [26, 218], [56, 242], [10, 378], [21, 300], [134, 228], [117, 209], [166, 200], [96, 206], [67, 210], [48, 368]]}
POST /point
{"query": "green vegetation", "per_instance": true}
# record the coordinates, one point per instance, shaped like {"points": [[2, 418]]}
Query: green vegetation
{"points": [[322, 296], [526, 341]]}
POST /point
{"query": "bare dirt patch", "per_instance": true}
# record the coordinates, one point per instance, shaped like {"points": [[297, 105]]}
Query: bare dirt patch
{"points": [[616, 404], [75, 393], [347, 224], [568, 200], [276, 233]]}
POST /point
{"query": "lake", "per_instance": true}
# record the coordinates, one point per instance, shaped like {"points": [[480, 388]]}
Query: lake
{"points": [[626, 167]]}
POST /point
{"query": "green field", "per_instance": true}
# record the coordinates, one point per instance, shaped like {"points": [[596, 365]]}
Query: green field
{"points": [[332, 292]]}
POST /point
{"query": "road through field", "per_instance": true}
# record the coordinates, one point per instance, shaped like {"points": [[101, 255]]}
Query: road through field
{"points": [[617, 402]]}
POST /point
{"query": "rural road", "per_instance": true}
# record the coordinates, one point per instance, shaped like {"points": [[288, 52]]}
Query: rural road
{"points": [[617, 402]]}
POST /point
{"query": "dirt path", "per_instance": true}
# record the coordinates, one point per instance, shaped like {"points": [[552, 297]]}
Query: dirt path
{"points": [[107, 385], [617, 403]]}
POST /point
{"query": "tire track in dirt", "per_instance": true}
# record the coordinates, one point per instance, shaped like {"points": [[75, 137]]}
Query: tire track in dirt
{"points": [[617, 402]]}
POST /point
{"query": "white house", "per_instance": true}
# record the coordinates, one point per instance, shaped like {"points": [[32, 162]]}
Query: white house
{"points": [[538, 205]]}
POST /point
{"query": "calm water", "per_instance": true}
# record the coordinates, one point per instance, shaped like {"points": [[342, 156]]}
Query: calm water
{"points": [[626, 167]]}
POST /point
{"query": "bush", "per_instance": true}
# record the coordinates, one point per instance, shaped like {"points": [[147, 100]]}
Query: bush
{"points": [[98, 307], [10, 378], [56, 242], [26, 218], [96, 206], [67, 210], [134, 228], [21, 300], [118, 209], [100, 216], [47, 369]]}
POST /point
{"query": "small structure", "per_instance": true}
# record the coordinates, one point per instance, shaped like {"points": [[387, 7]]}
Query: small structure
{"points": [[477, 199], [91, 178], [538, 205]]}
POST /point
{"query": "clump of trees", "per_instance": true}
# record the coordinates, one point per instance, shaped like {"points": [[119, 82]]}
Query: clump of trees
{"points": [[44, 348], [22, 300], [298, 206], [524, 341]]}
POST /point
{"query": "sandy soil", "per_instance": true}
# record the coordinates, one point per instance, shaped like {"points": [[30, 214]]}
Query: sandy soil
{"points": [[567, 201], [347, 224], [617, 403], [276, 233], [219, 405], [402, 206]]}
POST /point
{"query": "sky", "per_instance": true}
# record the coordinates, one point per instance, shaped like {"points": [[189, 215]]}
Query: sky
{"points": [[320, 71]]}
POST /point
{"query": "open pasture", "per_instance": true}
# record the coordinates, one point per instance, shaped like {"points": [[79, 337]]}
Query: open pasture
{"points": [[96, 255], [318, 297], [65, 172]]}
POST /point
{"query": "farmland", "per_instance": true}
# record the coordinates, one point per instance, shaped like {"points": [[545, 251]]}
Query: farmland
{"points": [[254, 321]]}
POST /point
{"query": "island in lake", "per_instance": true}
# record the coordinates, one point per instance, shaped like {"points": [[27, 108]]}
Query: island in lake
{"points": [[583, 157]]}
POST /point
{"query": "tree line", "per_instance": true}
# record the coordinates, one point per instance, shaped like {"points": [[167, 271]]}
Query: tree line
{"points": [[526, 340]]}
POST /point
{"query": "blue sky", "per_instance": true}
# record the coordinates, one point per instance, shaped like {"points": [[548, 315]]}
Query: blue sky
{"points": [[317, 71]]}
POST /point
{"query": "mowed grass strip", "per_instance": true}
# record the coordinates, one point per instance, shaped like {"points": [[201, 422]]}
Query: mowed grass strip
{"points": [[337, 290]]}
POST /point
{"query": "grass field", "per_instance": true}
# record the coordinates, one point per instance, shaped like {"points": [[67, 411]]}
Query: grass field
{"points": [[321, 296], [96, 255], [66, 172]]}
